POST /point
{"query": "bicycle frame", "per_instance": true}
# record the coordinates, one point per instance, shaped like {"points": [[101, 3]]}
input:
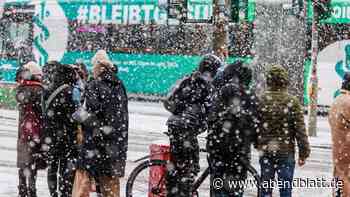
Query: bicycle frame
{"points": [[201, 179], [198, 182]]}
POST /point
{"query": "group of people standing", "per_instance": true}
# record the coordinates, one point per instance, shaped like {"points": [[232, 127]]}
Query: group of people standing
{"points": [[69, 121], [221, 102]]}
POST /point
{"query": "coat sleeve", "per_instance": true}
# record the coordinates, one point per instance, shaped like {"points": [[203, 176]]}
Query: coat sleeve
{"points": [[116, 118], [300, 131], [92, 96], [215, 108], [174, 99], [124, 129], [256, 120], [93, 106]]}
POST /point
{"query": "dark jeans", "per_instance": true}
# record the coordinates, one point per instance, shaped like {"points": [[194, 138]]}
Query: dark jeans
{"points": [[337, 190], [27, 180], [283, 166], [185, 160], [60, 174]]}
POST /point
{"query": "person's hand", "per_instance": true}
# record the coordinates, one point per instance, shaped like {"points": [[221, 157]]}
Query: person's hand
{"points": [[80, 139], [301, 162], [80, 136]]}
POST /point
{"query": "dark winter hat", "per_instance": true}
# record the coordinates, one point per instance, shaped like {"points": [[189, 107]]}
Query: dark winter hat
{"points": [[49, 68], [48, 72], [64, 74], [277, 77], [346, 82], [239, 71], [231, 72], [210, 63]]}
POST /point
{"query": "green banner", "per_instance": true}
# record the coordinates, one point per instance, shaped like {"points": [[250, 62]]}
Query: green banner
{"points": [[142, 73], [340, 14], [130, 12], [146, 73]]}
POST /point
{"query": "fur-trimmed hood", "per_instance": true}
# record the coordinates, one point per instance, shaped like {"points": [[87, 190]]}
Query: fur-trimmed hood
{"points": [[101, 63]]}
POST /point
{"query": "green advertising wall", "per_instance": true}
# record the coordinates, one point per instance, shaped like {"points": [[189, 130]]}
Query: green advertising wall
{"points": [[142, 73], [146, 73]]}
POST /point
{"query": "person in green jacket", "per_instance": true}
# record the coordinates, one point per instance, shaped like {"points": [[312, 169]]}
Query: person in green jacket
{"points": [[282, 126]]}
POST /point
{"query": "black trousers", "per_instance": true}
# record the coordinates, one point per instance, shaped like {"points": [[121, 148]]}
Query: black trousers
{"points": [[61, 172], [27, 182], [180, 177]]}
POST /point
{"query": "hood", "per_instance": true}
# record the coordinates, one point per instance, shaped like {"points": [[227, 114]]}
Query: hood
{"points": [[238, 73], [102, 66], [100, 56], [102, 63], [105, 71], [63, 74], [277, 78], [210, 63]]}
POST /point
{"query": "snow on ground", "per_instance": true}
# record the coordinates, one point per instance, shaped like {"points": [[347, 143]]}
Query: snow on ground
{"points": [[147, 124]]}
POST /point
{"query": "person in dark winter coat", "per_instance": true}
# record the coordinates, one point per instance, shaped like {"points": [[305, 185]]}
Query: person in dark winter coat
{"points": [[28, 96], [105, 126], [60, 129], [233, 126], [189, 103], [282, 125]]}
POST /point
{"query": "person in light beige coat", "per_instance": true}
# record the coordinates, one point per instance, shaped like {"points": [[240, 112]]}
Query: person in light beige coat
{"points": [[339, 120]]}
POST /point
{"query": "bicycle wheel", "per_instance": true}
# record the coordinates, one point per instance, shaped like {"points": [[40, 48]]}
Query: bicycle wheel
{"points": [[138, 184]]}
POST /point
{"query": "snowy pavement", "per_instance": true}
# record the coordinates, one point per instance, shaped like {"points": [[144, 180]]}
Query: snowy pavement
{"points": [[147, 124]]}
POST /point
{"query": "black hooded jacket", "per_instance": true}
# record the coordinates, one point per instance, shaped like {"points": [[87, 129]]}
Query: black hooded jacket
{"points": [[189, 102], [59, 125], [233, 124]]}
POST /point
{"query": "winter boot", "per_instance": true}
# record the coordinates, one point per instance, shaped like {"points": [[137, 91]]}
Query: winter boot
{"points": [[22, 191]]}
